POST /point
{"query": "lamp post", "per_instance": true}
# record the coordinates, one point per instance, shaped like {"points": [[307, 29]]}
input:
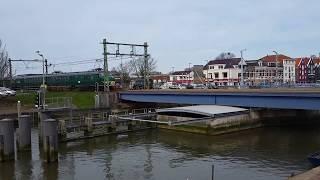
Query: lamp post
{"points": [[42, 88], [242, 63], [189, 73], [43, 73], [276, 66]]}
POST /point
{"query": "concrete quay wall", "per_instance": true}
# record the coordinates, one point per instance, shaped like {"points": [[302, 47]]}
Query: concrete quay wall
{"points": [[254, 119]]}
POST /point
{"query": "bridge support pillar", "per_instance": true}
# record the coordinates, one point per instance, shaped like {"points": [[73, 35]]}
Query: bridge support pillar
{"points": [[24, 133], [50, 140], [6, 140]]}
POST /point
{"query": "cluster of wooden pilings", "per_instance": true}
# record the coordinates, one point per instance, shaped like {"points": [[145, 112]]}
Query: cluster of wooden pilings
{"points": [[8, 132]]}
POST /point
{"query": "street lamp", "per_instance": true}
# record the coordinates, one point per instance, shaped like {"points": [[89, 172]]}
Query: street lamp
{"points": [[43, 74], [276, 66], [242, 63], [42, 88]]}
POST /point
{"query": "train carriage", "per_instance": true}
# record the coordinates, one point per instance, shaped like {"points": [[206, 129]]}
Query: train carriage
{"points": [[86, 80]]}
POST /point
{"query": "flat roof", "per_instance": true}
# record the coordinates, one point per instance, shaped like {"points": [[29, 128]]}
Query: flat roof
{"points": [[205, 110]]}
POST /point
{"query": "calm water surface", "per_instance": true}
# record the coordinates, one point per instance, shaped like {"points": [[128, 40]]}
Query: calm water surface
{"points": [[262, 154]]}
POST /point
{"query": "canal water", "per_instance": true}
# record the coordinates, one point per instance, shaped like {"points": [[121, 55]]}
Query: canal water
{"points": [[262, 154]]}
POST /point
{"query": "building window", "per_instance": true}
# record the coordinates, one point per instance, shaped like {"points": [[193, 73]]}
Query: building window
{"points": [[216, 75], [220, 66], [225, 75], [211, 67]]}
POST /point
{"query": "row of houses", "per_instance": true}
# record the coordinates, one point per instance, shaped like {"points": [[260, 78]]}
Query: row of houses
{"points": [[266, 70]]}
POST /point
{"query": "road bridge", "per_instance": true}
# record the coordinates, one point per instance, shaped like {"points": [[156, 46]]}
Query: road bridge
{"points": [[305, 99]]}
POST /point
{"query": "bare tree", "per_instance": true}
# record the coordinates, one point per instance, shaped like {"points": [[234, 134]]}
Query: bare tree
{"points": [[4, 62], [137, 66], [124, 72], [226, 55]]}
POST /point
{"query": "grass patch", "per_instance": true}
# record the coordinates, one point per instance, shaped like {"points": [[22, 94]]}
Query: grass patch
{"points": [[80, 99]]}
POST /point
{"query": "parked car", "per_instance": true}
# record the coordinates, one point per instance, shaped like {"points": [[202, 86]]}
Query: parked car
{"points": [[211, 86], [8, 91], [199, 86], [189, 86]]}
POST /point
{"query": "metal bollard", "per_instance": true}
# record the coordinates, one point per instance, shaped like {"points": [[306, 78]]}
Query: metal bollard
{"points": [[50, 140], [24, 133], [6, 140]]}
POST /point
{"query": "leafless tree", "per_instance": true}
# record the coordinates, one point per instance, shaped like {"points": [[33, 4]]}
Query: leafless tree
{"points": [[137, 66], [4, 62], [226, 55]]}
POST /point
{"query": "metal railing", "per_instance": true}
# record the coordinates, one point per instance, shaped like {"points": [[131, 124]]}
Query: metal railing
{"points": [[59, 102]]}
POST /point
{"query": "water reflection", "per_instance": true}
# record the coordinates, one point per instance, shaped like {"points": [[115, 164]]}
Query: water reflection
{"points": [[266, 153]]}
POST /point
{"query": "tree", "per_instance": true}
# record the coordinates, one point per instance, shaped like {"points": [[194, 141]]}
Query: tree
{"points": [[4, 62], [124, 72], [137, 66], [226, 55]]}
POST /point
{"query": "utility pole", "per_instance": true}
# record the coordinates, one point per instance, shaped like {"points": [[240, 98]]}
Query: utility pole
{"points": [[46, 65], [130, 54], [146, 78], [122, 74], [105, 67], [189, 73], [10, 72], [242, 63], [207, 76]]}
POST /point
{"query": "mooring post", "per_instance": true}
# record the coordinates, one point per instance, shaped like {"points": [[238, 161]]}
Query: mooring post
{"points": [[50, 140], [88, 122], [6, 140], [19, 109], [24, 133]]}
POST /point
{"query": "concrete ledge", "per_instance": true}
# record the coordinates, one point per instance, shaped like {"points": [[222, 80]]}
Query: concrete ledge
{"points": [[313, 174]]}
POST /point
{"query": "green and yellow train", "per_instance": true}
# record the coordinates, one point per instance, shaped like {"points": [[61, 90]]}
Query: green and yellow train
{"points": [[74, 80]]}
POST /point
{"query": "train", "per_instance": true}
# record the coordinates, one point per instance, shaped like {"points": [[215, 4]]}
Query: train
{"points": [[85, 80]]}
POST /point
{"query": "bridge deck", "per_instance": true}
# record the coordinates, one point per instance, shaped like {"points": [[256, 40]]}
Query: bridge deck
{"points": [[302, 98]]}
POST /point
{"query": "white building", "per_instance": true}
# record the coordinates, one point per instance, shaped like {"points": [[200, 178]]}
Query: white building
{"points": [[182, 77], [289, 71], [223, 72]]}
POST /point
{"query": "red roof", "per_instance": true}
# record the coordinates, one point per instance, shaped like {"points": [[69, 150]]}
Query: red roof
{"points": [[272, 58], [316, 60]]}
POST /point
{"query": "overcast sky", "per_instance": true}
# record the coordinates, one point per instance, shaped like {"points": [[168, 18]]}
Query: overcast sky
{"points": [[178, 31]]}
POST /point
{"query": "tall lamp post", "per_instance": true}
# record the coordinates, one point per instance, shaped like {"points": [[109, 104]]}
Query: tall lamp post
{"points": [[43, 73], [42, 88], [242, 63], [276, 66]]}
